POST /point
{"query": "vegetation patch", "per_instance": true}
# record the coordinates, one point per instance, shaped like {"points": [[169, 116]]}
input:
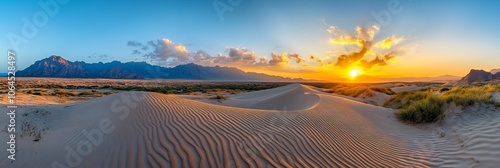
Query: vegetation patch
{"points": [[219, 97], [426, 107], [353, 91], [382, 89], [427, 110], [470, 95]]}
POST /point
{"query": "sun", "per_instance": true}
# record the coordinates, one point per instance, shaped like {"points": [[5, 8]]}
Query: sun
{"points": [[355, 72]]}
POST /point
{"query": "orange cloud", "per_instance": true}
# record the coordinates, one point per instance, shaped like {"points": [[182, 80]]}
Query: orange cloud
{"points": [[389, 42], [364, 39]]}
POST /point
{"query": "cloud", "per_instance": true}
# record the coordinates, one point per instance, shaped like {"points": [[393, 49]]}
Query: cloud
{"points": [[283, 59], [167, 53], [280, 60], [295, 56], [363, 38], [136, 52], [242, 55], [134, 43], [389, 42], [101, 56]]}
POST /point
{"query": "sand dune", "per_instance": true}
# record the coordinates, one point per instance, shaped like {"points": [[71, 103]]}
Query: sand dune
{"points": [[287, 98], [496, 96], [139, 129]]}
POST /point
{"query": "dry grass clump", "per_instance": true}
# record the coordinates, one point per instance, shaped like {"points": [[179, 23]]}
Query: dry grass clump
{"points": [[470, 95], [382, 89], [62, 92], [219, 96], [405, 98], [353, 91], [357, 90], [94, 93], [36, 91], [66, 93], [417, 106], [427, 110], [425, 106]]}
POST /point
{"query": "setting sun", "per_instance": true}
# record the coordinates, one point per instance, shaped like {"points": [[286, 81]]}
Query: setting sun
{"points": [[354, 73]]}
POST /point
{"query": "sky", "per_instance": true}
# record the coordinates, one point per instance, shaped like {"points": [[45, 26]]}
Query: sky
{"points": [[321, 39]]}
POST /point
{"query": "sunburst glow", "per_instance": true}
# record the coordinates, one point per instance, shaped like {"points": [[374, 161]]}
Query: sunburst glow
{"points": [[354, 73]]}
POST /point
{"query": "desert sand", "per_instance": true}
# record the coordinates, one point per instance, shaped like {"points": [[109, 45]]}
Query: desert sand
{"points": [[496, 96], [290, 126]]}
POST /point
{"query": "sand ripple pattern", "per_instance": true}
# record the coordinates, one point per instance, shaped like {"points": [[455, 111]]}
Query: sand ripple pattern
{"points": [[169, 131], [173, 132]]}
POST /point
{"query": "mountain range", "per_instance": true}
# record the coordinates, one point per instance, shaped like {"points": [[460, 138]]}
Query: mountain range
{"points": [[58, 67], [481, 76]]}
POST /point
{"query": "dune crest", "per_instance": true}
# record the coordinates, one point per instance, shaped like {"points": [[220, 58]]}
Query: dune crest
{"points": [[293, 97]]}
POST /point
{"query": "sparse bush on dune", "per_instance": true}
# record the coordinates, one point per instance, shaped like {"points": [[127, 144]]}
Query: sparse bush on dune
{"points": [[405, 98], [425, 106], [444, 89], [61, 92], [382, 89], [468, 96], [357, 90], [218, 96], [353, 91], [39, 92], [427, 110], [94, 93]]}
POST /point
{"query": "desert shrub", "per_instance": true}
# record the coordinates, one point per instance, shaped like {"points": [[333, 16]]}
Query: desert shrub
{"points": [[86, 93], [219, 97], [468, 96], [382, 89], [427, 110], [353, 91], [444, 89], [424, 106], [39, 93], [94, 92], [61, 92], [118, 88], [30, 92], [405, 98]]}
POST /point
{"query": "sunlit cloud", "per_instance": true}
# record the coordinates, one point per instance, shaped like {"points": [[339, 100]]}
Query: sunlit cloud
{"points": [[164, 52], [167, 52], [389, 42], [368, 53]]}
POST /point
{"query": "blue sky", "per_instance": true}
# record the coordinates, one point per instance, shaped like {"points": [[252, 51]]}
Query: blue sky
{"points": [[463, 34]]}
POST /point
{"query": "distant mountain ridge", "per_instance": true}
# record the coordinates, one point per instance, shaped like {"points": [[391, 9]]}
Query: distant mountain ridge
{"points": [[58, 67], [480, 76], [495, 71]]}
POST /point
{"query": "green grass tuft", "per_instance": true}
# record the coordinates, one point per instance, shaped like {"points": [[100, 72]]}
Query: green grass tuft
{"points": [[425, 106], [405, 98], [468, 96], [426, 110]]}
